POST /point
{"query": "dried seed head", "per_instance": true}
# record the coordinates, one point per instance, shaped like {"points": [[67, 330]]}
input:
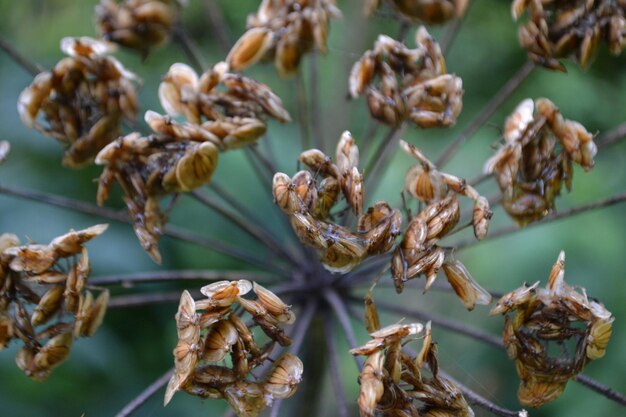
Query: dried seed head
{"points": [[223, 293], [464, 285], [543, 316], [284, 377]]}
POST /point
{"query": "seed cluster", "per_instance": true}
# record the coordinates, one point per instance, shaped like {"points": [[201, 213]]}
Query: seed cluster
{"points": [[137, 24], [559, 29], [42, 282], [82, 101], [530, 168], [209, 332], [308, 205], [413, 83], [392, 380], [419, 252], [181, 156], [430, 12], [555, 314], [284, 30]]}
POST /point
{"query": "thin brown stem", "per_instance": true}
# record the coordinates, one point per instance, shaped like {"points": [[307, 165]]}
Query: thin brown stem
{"points": [[260, 169], [316, 117], [190, 48], [299, 332], [19, 58], [612, 136], [302, 110], [505, 92], [171, 231], [474, 398], [333, 358], [246, 226], [337, 304], [505, 231], [145, 395], [140, 300], [381, 158], [601, 389], [218, 24], [186, 275]]}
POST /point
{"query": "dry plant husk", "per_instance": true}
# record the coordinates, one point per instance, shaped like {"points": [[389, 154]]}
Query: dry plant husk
{"points": [[45, 300], [557, 314], [430, 12], [82, 101], [408, 84], [536, 159], [210, 331]]}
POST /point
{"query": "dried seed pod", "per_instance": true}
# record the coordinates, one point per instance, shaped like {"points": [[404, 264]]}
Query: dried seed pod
{"points": [[464, 285], [49, 304], [219, 341], [529, 168], [246, 398], [430, 12], [412, 85], [137, 24], [544, 316], [72, 243], [284, 377], [283, 31], [372, 387], [6, 329], [187, 320], [555, 30], [33, 259], [274, 305], [319, 163], [224, 293]]}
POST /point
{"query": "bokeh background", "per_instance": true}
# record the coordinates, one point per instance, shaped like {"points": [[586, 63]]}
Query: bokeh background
{"points": [[134, 345]]}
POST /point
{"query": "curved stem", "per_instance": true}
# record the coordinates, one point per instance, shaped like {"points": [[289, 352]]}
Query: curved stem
{"points": [[509, 88], [145, 395], [171, 231], [188, 275], [548, 219], [19, 58]]}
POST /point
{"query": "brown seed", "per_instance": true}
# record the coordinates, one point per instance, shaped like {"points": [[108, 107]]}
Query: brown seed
{"points": [[219, 341], [284, 377]]}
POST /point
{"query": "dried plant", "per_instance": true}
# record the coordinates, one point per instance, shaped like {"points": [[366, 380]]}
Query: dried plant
{"points": [[237, 341]]}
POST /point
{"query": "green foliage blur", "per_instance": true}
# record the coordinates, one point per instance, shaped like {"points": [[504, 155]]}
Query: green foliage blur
{"points": [[134, 345]]}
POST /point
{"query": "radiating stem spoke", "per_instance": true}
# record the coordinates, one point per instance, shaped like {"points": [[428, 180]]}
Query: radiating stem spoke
{"points": [[546, 220], [181, 275], [140, 300], [218, 24], [190, 48], [339, 307], [316, 122], [612, 136], [509, 88], [380, 159], [171, 231], [248, 227], [303, 119], [334, 359], [145, 395], [19, 58]]}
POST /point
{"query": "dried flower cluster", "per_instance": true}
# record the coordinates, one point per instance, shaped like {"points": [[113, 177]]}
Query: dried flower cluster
{"points": [[42, 282], [392, 379], [284, 30], [530, 168], [209, 332], [413, 83], [430, 12], [82, 101], [180, 157], [555, 314], [308, 205], [560, 29], [137, 24], [419, 252]]}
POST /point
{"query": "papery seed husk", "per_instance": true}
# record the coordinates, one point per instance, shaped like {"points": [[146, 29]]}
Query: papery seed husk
{"points": [[219, 341], [465, 286], [49, 304], [284, 377]]}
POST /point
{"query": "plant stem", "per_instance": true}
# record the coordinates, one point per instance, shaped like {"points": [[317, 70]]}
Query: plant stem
{"points": [[512, 84], [171, 231], [20, 59], [145, 395], [548, 219], [316, 119], [612, 136], [302, 110], [337, 304], [333, 358], [140, 300], [380, 158], [601, 389], [474, 398], [218, 24], [187, 275], [250, 228], [190, 48]]}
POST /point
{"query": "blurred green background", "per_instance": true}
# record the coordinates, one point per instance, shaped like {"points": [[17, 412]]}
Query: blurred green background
{"points": [[134, 345]]}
